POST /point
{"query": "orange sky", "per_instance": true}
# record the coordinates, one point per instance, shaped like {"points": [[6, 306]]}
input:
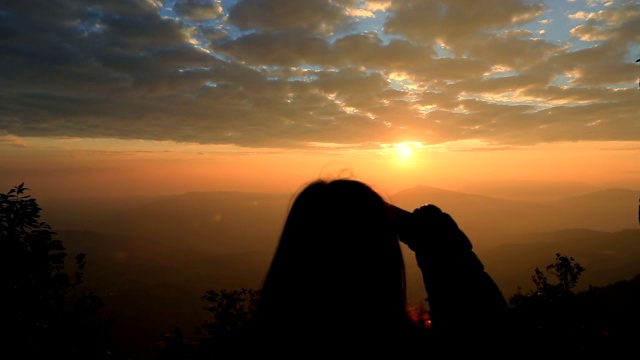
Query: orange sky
{"points": [[119, 167]]}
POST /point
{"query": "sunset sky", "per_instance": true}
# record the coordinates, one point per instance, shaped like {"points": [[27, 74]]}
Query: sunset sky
{"points": [[126, 97]]}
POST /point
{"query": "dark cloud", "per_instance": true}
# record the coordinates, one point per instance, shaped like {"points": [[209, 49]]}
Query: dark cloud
{"points": [[315, 16], [284, 73], [458, 23], [198, 9], [513, 50], [284, 48]]}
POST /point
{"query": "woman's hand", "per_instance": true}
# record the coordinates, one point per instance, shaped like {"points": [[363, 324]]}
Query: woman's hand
{"points": [[432, 232]]}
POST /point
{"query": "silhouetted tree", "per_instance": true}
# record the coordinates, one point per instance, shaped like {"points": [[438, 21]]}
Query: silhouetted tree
{"points": [[567, 273], [229, 310], [47, 313], [556, 318]]}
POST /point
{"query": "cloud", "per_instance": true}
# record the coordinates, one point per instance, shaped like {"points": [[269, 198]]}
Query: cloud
{"points": [[198, 9], [285, 73], [619, 25], [316, 16], [14, 141], [580, 15], [457, 23]]}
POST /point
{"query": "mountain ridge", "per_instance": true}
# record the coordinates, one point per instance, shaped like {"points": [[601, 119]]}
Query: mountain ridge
{"points": [[175, 248]]}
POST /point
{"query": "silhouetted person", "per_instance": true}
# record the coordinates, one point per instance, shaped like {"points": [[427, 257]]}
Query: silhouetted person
{"points": [[336, 285]]}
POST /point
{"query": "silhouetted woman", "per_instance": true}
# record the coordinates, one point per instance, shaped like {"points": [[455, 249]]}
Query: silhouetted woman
{"points": [[336, 285]]}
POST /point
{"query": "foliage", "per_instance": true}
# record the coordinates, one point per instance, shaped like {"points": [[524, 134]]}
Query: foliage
{"points": [[229, 310], [550, 320], [559, 320], [48, 311], [567, 273]]}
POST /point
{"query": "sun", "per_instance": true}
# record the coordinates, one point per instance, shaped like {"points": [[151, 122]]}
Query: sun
{"points": [[404, 150]]}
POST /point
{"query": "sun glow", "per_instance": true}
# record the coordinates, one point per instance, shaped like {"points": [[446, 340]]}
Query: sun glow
{"points": [[404, 150]]}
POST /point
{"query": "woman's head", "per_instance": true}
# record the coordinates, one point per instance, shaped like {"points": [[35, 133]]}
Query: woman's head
{"points": [[338, 259]]}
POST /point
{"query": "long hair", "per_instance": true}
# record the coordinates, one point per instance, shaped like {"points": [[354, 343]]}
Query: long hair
{"points": [[338, 268]]}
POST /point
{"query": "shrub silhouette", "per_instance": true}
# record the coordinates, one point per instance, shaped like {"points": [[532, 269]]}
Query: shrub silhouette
{"points": [[550, 320], [229, 310], [601, 321], [47, 311]]}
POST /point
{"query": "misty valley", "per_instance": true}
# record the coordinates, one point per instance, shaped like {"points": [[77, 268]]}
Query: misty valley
{"points": [[152, 258]]}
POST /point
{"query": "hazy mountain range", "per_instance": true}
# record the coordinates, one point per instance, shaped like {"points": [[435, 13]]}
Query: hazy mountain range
{"points": [[151, 259]]}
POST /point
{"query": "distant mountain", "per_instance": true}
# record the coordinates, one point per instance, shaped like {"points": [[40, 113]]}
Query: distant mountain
{"points": [[607, 256], [150, 287], [528, 190], [216, 222], [228, 222], [608, 209], [487, 221], [151, 259], [492, 221]]}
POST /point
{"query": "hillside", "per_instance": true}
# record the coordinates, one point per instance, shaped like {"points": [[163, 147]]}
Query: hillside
{"points": [[491, 221], [528, 190], [607, 256], [153, 258], [149, 287]]}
